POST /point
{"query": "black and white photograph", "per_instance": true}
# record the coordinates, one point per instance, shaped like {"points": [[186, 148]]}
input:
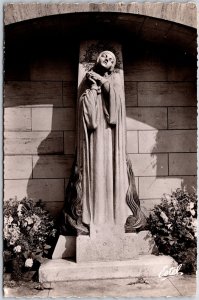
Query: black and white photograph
{"points": [[99, 149]]}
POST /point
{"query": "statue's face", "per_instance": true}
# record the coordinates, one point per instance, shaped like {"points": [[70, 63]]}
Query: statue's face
{"points": [[106, 60]]}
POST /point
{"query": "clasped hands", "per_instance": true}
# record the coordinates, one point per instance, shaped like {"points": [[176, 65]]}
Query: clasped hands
{"points": [[96, 80]]}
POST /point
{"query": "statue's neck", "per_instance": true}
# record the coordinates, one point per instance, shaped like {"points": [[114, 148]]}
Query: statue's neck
{"points": [[101, 71]]}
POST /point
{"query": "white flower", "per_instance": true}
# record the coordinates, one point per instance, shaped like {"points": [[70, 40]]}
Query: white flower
{"points": [[29, 220], [29, 262], [190, 208], [13, 233], [37, 222], [5, 220], [167, 197], [169, 226], [12, 242], [6, 232], [164, 217], [194, 223], [35, 227], [24, 224], [193, 212], [54, 232], [175, 202], [8, 221], [17, 248], [36, 218], [19, 210]]}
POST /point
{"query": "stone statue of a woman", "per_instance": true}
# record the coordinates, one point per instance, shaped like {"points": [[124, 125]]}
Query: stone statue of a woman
{"points": [[101, 189]]}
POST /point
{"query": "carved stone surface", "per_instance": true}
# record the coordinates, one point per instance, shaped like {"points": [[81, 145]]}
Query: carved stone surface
{"points": [[183, 13], [65, 247], [106, 246], [144, 265], [101, 189]]}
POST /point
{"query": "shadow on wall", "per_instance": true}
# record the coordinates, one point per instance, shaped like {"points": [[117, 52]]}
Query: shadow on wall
{"points": [[181, 148], [164, 158], [55, 154], [43, 96]]}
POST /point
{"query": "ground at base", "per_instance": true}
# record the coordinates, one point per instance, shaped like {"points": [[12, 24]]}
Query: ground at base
{"points": [[179, 285]]}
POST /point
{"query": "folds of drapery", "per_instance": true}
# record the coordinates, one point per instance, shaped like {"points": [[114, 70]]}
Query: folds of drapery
{"points": [[101, 189], [101, 155]]}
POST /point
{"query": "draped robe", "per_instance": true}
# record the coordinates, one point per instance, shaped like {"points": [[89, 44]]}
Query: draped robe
{"points": [[101, 154], [101, 188]]}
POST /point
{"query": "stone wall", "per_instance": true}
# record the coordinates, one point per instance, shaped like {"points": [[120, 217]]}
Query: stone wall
{"points": [[183, 13], [39, 119]]}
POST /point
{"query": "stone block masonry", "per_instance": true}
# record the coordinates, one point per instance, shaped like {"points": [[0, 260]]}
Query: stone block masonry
{"points": [[31, 93], [153, 187], [167, 141], [17, 119], [17, 143], [56, 119], [166, 93]]}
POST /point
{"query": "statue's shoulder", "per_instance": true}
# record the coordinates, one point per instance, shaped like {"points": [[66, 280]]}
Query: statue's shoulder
{"points": [[116, 79]]}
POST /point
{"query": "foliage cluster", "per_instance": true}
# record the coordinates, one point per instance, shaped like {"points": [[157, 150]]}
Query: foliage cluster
{"points": [[173, 224], [28, 231]]}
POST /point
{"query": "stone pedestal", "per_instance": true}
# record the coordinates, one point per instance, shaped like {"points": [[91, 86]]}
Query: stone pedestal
{"points": [[64, 270], [65, 247], [108, 252], [104, 246], [104, 255], [114, 246]]}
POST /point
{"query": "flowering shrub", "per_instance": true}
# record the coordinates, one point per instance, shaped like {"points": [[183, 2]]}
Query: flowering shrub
{"points": [[28, 228], [173, 224]]}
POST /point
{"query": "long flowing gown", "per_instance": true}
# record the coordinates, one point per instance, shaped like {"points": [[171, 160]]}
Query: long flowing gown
{"points": [[101, 189], [101, 154]]}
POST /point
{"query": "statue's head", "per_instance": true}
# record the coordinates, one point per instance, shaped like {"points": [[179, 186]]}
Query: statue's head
{"points": [[107, 60]]}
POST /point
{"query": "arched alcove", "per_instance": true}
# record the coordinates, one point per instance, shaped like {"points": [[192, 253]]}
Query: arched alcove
{"points": [[182, 13], [40, 72]]}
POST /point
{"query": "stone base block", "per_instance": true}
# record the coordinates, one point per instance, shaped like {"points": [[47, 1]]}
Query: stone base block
{"points": [[64, 270], [102, 247], [65, 247]]}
